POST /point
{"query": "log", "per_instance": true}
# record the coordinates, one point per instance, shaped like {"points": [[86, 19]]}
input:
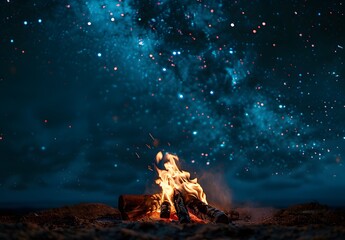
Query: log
{"points": [[165, 210], [133, 207], [206, 212], [180, 207]]}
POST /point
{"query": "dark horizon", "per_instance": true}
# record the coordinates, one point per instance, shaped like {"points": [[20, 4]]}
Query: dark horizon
{"points": [[278, 204]]}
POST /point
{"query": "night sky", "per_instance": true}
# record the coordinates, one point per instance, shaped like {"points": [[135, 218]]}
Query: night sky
{"points": [[249, 95]]}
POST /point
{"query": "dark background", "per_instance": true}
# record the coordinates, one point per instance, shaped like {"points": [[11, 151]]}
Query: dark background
{"points": [[249, 94]]}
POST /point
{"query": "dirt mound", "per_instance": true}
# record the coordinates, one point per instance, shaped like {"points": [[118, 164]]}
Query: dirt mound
{"points": [[75, 215], [309, 213]]}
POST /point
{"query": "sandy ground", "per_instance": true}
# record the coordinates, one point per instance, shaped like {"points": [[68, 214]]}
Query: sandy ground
{"points": [[99, 221]]}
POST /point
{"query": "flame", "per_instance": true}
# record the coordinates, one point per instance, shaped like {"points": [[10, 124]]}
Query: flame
{"points": [[172, 178]]}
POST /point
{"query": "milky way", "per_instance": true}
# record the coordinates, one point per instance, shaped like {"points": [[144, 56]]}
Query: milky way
{"points": [[253, 90]]}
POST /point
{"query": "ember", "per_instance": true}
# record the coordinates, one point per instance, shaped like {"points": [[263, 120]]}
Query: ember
{"points": [[178, 190]]}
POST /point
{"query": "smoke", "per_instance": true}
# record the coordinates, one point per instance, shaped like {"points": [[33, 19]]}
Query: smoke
{"points": [[217, 191]]}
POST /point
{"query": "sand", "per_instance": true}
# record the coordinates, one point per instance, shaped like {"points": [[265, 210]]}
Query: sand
{"points": [[99, 221]]}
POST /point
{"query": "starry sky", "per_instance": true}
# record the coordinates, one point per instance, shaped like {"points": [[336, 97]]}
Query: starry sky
{"points": [[249, 95]]}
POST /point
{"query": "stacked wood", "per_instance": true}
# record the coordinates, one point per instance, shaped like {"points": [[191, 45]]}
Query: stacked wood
{"points": [[133, 207], [206, 212]]}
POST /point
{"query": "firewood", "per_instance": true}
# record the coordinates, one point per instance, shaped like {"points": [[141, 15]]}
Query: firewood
{"points": [[165, 210], [133, 207], [206, 212], [180, 207]]}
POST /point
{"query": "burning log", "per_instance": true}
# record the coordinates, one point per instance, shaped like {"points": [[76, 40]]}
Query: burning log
{"points": [[180, 207], [165, 210], [206, 212], [135, 206]]}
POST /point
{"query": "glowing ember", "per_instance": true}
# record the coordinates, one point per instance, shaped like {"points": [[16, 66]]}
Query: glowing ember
{"points": [[172, 178]]}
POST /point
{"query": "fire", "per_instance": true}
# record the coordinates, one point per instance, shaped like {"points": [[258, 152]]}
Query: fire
{"points": [[182, 198], [172, 178]]}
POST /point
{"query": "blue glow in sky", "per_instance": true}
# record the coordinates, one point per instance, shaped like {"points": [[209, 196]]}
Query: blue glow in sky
{"points": [[244, 89]]}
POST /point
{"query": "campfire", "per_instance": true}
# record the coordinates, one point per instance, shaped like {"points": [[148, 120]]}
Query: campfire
{"points": [[182, 199]]}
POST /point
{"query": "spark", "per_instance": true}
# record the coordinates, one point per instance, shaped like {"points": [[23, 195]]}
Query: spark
{"points": [[151, 136]]}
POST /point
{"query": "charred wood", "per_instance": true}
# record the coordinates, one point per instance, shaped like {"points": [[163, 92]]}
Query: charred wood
{"points": [[206, 212], [165, 210], [180, 207]]}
